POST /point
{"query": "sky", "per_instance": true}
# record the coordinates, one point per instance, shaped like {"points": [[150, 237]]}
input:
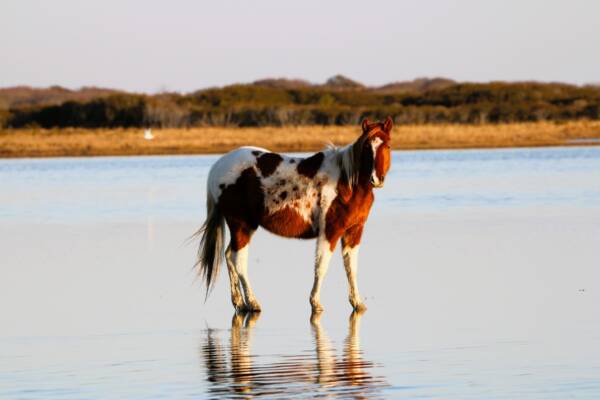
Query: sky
{"points": [[184, 45]]}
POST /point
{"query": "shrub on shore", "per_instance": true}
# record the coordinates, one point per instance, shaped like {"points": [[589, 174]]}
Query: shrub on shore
{"points": [[338, 102]]}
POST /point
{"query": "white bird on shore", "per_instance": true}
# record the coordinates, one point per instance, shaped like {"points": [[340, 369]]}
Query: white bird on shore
{"points": [[148, 134]]}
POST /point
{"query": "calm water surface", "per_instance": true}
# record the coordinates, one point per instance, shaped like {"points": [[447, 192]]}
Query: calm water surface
{"points": [[479, 269]]}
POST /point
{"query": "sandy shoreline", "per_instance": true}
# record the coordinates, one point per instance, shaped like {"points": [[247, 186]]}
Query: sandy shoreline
{"points": [[210, 140]]}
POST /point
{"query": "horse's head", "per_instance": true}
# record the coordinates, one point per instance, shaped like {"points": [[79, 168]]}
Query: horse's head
{"points": [[375, 150]]}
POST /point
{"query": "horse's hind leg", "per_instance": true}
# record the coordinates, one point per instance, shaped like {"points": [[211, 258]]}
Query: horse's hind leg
{"points": [[234, 282], [237, 256]]}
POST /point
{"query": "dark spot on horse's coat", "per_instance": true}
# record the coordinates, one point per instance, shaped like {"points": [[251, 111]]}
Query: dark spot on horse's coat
{"points": [[292, 161], [268, 163], [282, 182], [309, 166], [295, 188], [222, 186], [256, 152], [283, 195], [242, 205]]}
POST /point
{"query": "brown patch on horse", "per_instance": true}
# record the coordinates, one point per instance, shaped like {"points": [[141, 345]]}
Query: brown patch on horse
{"points": [[289, 223], [348, 209], [268, 163], [309, 166], [344, 193], [242, 204], [351, 238]]}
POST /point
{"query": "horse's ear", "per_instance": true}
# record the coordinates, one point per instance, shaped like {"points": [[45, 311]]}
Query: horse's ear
{"points": [[387, 125], [365, 125]]}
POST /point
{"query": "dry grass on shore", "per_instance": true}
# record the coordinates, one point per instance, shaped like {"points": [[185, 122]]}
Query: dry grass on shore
{"points": [[95, 142]]}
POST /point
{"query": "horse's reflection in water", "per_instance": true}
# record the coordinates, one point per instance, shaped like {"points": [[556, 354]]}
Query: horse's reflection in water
{"points": [[234, 371]]}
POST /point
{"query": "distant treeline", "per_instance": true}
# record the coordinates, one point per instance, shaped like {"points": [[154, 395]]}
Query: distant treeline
{"points": [[339, 101]]}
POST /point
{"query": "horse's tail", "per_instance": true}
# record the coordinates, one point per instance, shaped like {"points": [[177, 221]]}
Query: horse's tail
{"points": [[210, 251]]}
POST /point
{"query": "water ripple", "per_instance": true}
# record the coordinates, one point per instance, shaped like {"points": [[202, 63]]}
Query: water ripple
{"points": [[233, 371]]}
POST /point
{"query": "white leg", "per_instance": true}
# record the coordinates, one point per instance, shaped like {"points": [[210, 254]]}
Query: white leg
{"points": [[234, 283], [239, 259], [321, 264], [350, 255]]}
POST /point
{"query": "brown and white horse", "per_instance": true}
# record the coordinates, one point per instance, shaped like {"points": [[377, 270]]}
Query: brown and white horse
{"points": [[326, 196]]}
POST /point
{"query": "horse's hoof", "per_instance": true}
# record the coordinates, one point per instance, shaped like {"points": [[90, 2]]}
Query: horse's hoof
{"points": [[240, 308], [252, 307]]}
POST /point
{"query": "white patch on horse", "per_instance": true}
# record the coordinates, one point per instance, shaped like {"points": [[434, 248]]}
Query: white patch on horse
{"points": [[285, 187], [329, 190], [228, 168], [375, 143]]}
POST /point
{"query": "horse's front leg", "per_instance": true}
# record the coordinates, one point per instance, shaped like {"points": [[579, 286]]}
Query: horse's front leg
{"points": [[350, 245], [321, 265]]}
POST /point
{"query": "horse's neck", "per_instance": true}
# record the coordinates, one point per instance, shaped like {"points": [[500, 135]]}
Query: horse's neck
{"points": [[363, 188], [357, 193]]}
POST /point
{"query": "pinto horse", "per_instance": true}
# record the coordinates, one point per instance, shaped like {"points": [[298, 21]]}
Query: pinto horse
{"points": [[326, 196]]}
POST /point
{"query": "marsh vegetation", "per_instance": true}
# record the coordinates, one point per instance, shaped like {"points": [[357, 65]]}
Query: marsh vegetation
{"points": [[130, 141]]}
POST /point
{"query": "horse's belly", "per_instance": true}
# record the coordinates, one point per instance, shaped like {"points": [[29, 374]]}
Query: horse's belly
{"points": [[289, 223]]}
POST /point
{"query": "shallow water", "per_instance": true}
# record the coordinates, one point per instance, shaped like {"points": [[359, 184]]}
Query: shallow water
{"points": [[479, 268]]}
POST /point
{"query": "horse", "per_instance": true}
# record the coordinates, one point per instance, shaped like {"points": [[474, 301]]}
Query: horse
{"points": [[326, 196]]}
